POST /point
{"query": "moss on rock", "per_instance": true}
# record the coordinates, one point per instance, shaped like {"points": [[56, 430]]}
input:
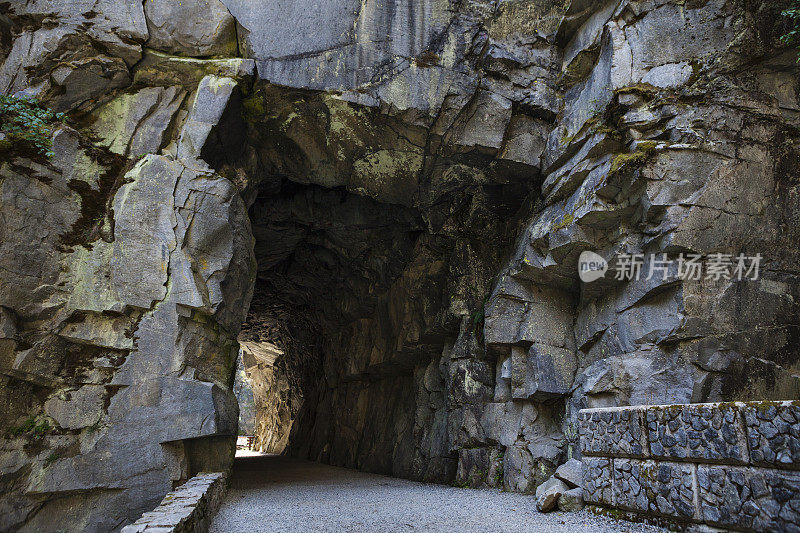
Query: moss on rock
{"points": [[633, 160]]}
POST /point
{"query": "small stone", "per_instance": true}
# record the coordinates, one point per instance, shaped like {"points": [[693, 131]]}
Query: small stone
{"points": [[571, 501], [768, 430], [784, 458]]}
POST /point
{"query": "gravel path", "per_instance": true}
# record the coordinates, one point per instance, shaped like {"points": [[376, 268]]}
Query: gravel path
{"points": [[270, 493]]}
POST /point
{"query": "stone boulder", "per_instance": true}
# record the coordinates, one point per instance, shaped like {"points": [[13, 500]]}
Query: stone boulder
{"points": [[548, 494], [571, 500], [571, 473], [211, 100], [198, 28]]}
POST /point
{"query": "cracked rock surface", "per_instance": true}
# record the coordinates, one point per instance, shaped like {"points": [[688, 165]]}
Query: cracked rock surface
{"points": [[403, 190]]}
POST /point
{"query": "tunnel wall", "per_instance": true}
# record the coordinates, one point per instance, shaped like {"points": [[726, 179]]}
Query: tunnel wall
{"points": [[631, 148], [127, 274]]}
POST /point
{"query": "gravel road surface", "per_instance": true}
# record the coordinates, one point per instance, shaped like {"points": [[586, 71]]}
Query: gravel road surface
{"points": [[277, 494]]}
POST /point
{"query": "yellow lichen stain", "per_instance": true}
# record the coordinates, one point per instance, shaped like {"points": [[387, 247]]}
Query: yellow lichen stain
{"points": [[528, 17], [471, 386], [216, 83]]}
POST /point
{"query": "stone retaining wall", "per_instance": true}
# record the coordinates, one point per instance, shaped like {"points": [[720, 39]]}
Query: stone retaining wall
{"points": [[729, 465], [187, 509]]}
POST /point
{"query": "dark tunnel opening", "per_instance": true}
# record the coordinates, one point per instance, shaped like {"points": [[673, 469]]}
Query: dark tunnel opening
{"points": [[375, 247], [325, 259]]}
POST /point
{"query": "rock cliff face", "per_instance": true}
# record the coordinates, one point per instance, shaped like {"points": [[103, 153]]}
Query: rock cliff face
{"points": [[403, 188]]}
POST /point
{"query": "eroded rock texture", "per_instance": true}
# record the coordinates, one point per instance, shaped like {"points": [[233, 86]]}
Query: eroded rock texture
{"points": [[421, 178], [243, 389], [126, 276]]}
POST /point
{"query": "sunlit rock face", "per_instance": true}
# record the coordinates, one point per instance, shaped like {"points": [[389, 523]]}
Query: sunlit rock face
{"points": [[403, 189], [243, 389]]}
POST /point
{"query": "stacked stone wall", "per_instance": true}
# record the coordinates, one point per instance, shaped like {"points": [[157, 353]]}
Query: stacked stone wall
{"points": [[728, 465], [187, 509]]}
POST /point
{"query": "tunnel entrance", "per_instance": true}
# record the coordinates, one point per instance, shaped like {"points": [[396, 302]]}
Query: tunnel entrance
{"points": [[327, 259], [377, 237]]}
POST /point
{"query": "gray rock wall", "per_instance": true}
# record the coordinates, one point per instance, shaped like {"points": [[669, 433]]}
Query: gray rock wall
{"points": [[406, 187], [701, 463], [243, 390], [126, 275], [631, 147]]}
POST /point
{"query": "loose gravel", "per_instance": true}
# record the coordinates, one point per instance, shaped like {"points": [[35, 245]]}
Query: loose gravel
{"points": [[277, 494]]}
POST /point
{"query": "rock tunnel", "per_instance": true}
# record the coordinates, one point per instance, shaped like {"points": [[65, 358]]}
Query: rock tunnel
{"points": [[375, 211], [372, 262]]}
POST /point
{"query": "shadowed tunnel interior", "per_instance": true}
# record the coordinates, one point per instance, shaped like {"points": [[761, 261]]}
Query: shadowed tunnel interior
{"points": [[380, 208], [326, 259], [375, 246]]}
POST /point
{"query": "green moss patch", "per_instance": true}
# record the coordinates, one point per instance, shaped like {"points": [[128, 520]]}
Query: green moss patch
{"points": [[499, 476], [254, 106], [633, 160], [32, 428], [792, 37], [427, 59], [645, 90]]}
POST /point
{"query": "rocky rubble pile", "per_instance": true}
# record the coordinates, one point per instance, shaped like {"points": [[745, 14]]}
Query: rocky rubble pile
{"points": [[563, 489]]}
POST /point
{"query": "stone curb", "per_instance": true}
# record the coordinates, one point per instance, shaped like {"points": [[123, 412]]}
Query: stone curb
{"points": [[188, 509]]}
